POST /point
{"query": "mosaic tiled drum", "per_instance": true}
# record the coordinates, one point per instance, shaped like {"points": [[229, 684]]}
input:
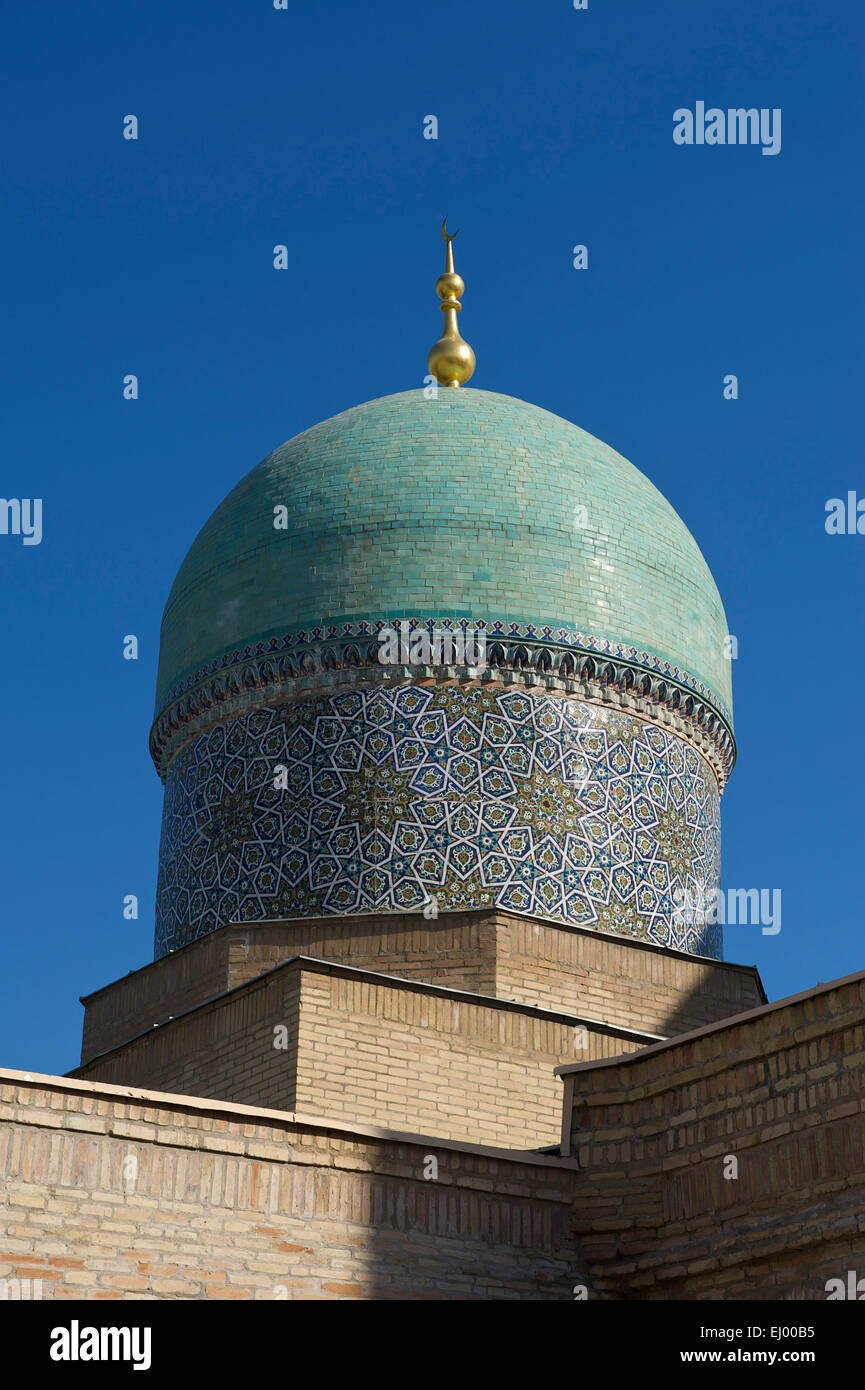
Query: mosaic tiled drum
{"points": [[574, 774]]}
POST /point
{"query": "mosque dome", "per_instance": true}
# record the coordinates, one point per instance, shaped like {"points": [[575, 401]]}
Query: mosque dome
{"points": [[566, 761], [469, 506]]}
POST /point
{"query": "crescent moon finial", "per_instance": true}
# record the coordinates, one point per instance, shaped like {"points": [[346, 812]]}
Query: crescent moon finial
{"points": [[451, 360]]}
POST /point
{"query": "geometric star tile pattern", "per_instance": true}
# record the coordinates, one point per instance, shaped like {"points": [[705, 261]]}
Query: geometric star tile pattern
{"points": [[441, 798]]}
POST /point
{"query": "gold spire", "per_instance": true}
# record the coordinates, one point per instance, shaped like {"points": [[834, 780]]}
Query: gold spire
{"points": [[451, 360]]}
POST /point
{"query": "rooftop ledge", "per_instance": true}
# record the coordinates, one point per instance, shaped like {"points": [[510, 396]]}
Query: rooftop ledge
{"points": [[244, 1115]]}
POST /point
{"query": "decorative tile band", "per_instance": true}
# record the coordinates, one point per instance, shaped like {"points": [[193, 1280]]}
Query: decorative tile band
{"points": [[369, 627], [646, 685], [394, 799]]}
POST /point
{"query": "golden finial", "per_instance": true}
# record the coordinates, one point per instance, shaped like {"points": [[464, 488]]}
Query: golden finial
{"points": [[451, 360]]}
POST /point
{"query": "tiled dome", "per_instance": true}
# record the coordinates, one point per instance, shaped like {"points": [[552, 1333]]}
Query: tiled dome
{"points": [[573, 774], [471, 505]]}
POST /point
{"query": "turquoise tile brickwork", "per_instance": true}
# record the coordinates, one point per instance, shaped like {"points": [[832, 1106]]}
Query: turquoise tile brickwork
{"points": [[466, 505]]}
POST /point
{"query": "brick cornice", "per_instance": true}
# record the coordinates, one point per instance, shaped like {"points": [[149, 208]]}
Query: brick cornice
{"points": [[231, 1113], [316, 965], [725, 1025], [493, 913]]}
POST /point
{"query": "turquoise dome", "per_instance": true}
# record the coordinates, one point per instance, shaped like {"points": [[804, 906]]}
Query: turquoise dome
{"points": [[470, 505], [573, 772]]}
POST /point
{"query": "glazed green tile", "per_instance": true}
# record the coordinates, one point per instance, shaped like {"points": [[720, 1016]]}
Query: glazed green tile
{"points": [[461, 505]]}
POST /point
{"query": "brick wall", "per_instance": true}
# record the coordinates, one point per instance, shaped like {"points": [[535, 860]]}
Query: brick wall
{"points": [[379, 1051], [642, 987], [496, 953], [119, 1194], [135, 1002], [458, 950], [781, 1090], [368, 1048], [223, 1050]]}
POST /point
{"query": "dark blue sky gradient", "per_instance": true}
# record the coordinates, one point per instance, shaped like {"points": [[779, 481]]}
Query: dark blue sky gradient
{"points": [[304, 127]]}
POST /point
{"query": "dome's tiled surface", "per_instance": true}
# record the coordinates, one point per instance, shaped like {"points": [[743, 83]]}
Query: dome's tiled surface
{"points": [[305, 778], [396, 800], [466, 505]]}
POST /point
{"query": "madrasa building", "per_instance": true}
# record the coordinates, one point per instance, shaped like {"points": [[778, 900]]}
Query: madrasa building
{"points": [[443, 717]]}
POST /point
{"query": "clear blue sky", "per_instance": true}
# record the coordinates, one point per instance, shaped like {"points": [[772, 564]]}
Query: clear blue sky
{"points": [[304, 127]]}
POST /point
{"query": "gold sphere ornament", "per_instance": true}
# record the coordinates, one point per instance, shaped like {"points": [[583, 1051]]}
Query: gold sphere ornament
{"points": [[451, 360]]}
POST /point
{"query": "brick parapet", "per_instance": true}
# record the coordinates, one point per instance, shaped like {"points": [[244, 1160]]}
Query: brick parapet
{"points": [[113, 1193], [776, 1097]]}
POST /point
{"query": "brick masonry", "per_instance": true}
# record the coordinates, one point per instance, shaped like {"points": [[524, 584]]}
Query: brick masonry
{"points": [[109, 1193], [504, 954], [781, 1090], [365, 1047], [233, 1201]]}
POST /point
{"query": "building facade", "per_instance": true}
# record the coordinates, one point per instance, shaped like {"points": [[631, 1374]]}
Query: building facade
{"points": [[444, 717]]}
